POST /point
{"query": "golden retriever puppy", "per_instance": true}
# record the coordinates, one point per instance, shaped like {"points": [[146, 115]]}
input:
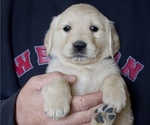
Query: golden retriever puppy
{"points": [[81, 41]]}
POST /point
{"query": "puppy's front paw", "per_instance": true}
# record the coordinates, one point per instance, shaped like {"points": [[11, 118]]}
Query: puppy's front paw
{"points": [[117, 100], [114, 92], [57, 108], [57, 98], [104, 115]]}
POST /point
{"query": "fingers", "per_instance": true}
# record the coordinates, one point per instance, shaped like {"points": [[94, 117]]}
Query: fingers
{"points": [[82, 109], [42, 80], [82, 103], [80, 118]]}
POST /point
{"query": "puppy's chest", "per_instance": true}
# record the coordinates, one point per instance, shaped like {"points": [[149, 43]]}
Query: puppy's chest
{"points": [[87, 82], [88, 79]]}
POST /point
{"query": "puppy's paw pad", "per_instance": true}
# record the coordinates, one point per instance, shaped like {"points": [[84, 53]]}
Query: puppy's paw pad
{"points": [[105, 115]]}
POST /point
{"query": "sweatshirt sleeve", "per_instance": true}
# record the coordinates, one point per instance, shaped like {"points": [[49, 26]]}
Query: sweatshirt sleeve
{"points": [[8, 108]]}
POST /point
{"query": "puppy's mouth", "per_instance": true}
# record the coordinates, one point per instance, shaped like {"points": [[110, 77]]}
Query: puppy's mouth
{"points": [[79, 57]]}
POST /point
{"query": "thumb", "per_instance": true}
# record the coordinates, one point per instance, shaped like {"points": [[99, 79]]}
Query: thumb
{"points": [[71, 78], [39, 81]]}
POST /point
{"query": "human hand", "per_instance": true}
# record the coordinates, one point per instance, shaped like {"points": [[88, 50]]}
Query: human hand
{"points": [[30, 103]]}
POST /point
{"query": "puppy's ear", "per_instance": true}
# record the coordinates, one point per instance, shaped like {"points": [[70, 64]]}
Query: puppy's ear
{"points": [[48, 41], [114, 43]]}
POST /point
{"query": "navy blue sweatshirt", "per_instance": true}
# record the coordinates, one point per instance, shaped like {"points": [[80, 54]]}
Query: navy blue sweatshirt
{"points": [[24, 24]]}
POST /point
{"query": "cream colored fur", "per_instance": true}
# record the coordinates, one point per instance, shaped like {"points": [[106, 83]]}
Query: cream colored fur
{"points": [[95, 72]]}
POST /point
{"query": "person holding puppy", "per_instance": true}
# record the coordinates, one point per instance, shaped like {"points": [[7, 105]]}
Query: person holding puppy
{"points": [[29, 104], [24, 61]]}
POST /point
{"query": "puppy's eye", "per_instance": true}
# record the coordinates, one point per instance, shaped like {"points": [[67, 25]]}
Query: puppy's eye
{"points": [[67, 28], [93, 28]]}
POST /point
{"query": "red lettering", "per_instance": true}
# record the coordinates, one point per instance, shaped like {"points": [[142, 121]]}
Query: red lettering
{"points": [[23, 63], [132, 68], [41, 55]]}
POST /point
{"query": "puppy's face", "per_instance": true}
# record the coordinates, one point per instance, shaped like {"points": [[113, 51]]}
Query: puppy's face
{"points": [[81, 35]]}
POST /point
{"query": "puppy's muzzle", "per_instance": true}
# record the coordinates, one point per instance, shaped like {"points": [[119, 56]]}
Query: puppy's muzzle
{"points": [[79, 47]]}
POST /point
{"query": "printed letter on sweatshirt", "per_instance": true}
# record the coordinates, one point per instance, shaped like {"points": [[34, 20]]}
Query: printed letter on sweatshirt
{"points": [[23, 63], [131, 69]]}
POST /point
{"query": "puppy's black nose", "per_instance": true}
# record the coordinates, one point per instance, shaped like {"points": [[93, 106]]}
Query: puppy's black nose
{"points": [[79, 46]]}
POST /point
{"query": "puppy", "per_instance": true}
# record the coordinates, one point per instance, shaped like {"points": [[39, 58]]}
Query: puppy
{"points": [[81, 41]]}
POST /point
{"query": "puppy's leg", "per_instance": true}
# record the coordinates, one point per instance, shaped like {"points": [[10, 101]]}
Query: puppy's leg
{"points": [[114, 96], [114, 92], [57, 98]]}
